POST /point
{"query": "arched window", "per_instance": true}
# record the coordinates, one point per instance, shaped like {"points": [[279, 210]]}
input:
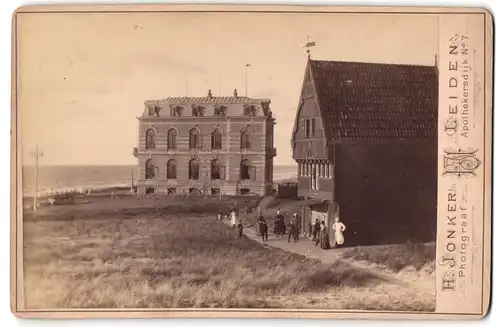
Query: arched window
{"points": [[247, 172], [172, 139], [217, 171], [171, 169], [217, 139], [246, 139], [150, 169], [194, 139], [194, 169], [150, 139]]}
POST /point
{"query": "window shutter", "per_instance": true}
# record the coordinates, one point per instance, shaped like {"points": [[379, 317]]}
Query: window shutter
{"points": [[222, 172]]}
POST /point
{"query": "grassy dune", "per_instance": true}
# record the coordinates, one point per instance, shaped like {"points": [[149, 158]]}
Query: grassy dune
{"points": [[144, 257], [176, 261], [397, 257]]}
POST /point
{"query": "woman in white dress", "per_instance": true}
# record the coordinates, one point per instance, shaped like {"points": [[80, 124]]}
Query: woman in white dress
{"points": [[233, 218], [338, 229]]}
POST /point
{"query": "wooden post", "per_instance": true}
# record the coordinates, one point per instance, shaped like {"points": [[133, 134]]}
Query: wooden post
{"points": [[37, 154]]}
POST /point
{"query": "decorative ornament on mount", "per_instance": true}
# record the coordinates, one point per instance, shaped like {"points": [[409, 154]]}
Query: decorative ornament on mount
{"points": [[451, 126], [460, 162], [255, 110]]}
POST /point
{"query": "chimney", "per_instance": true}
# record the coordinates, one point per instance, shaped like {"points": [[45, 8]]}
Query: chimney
{"points": [[235, 93], [210, 93]]}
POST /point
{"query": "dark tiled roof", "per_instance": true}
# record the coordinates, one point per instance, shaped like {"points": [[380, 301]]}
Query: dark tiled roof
{"points": [[366, 101]]}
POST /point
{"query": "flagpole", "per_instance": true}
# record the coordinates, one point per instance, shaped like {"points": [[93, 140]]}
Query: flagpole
{"points": [[220, 79], [308, 46], [246, 79]]}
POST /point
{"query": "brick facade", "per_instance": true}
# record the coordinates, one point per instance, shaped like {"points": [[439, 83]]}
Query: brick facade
{"points": [[159, 118]]}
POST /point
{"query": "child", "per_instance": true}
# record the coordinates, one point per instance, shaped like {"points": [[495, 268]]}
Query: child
{"points": [[240, 229], [219, 215], [263, 229]]}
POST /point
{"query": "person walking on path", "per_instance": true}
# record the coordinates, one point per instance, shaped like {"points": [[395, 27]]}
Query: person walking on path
{"points": [[323, 239], [338, 229], [263, 229], [276, 226], [240, 229], [318, 236], [292, 232], [279, 224], [296, 219], [316, 230], [282, 225], [233, 218]]}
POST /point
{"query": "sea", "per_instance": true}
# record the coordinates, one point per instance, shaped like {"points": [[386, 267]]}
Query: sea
{"points": [[60, 179]]}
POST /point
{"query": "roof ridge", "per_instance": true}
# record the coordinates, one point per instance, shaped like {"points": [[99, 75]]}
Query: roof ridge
{"points": [[207, 100], [370, 63]]}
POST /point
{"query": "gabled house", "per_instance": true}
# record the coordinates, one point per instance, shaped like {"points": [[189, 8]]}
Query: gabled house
{"points": [[365, 141]]}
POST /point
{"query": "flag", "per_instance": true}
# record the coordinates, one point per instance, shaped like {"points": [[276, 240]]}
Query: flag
{"points": [[248, 65], [310, 44]]}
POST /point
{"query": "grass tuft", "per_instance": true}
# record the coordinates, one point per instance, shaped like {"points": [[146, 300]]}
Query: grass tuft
{"points": [[396, 257]]}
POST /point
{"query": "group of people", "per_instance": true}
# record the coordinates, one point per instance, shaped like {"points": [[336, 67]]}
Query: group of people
{"points": [[318, 230], [322, 238]]}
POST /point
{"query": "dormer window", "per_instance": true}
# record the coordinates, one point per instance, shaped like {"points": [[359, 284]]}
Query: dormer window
{"points": [[250, 110], [198, 111], [157, 111], [246, 110], [151, 111], [176, 111], [265, 108], [220, 111]]}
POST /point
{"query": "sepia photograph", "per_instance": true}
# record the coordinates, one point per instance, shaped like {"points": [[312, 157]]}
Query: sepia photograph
{"points": [[223, 160]]}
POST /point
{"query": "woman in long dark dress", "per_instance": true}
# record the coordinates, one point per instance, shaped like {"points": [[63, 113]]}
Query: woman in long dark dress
{"points": [[276, 226], [324, 237], [282, 225]]}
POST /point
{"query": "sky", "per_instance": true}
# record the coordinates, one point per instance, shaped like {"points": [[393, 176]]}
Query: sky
{"points": [[83, 78]]}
